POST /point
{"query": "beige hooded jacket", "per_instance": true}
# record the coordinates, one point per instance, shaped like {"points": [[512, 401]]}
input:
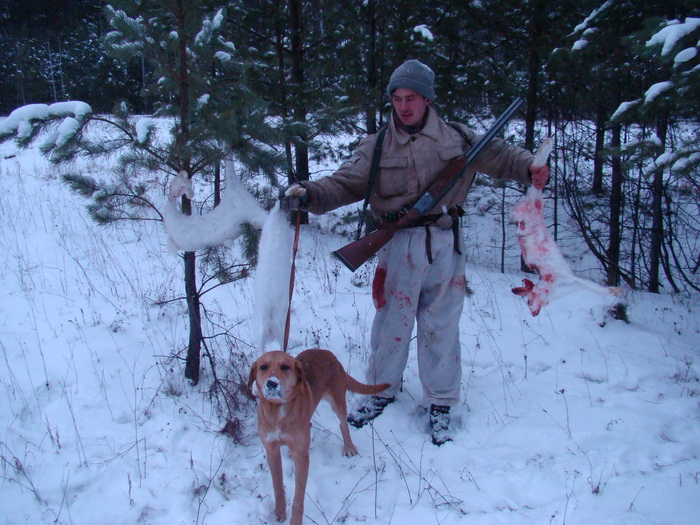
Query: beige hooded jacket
{"points": [[408, 165]]}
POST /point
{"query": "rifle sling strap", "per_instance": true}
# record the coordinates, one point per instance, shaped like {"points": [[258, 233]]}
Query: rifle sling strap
{"points": [[374, 168]]}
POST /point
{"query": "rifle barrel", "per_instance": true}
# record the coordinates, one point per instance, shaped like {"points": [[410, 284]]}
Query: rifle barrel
{"points": [[473, 152]]}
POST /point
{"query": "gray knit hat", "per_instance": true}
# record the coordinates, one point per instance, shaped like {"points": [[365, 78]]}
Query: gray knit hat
{"points": [[414, 75]]}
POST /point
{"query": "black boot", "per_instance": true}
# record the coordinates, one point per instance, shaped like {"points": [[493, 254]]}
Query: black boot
{"points": [[370, 408], [440, 424]]}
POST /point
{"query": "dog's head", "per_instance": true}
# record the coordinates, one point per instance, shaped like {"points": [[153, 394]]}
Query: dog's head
{"points": [[276, 376]]}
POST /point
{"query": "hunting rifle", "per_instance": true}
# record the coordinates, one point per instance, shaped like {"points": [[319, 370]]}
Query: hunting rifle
{"points": [[357, 253]]}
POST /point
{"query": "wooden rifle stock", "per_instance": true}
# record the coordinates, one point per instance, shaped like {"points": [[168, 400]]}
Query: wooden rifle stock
{"points": [[360, 251], [357, 253]]}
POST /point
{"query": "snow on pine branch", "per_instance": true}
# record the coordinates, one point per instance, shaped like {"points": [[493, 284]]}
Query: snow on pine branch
{"points": [[144, 126], [209, 29], [672, 33], [667, 39], [23, 121], [587, 27], [656, 90]]}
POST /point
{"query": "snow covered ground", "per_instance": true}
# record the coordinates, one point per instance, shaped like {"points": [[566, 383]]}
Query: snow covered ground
{"points": [[563, 420]]}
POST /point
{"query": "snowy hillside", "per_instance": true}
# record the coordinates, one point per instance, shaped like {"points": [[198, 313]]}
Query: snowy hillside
{"points": [[563, 421]]}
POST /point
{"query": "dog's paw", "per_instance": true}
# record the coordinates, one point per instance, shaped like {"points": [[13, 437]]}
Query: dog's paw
{"points": [[350, 451], [281, 515]]}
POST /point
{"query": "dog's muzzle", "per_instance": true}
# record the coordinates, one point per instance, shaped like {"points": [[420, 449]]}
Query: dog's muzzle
{"points": [[272, 388]]}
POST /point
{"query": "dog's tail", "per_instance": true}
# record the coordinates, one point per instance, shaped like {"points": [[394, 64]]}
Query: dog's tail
{"points": [[360, 388]]}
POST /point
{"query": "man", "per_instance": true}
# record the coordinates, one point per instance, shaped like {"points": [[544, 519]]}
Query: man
{"points": [[420, 274]]}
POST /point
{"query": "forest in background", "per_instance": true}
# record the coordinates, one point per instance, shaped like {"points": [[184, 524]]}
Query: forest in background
{"points": [[271, 83]]}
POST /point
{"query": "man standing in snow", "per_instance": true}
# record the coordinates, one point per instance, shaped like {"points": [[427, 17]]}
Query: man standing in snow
{"points": [[420, 275]]}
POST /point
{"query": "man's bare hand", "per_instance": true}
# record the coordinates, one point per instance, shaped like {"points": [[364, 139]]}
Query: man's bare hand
{"points": [[539, 175]]}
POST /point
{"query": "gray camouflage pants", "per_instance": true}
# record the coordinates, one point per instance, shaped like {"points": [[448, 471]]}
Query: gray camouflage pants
{"points": [[406, 289]]}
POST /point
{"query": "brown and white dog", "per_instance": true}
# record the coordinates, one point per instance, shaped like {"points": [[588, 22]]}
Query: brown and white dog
{"points": [[289, 390]]}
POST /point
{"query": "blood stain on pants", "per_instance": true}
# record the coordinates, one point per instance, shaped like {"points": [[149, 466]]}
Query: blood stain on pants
{"points": [[378, 295]]}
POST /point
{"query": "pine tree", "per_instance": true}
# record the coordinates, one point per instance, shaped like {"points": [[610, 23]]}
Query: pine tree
{"points": [[324, 63], [603, 68], [199, 83], [297, 47], [675, 88], [202, 84], [606, 69], [670, 106]]}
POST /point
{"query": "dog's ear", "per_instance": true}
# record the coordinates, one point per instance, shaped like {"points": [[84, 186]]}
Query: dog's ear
{"points": [[251, 376], [299, 368]]}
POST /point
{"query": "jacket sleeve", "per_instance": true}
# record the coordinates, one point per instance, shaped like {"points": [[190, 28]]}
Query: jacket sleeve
{"points": [[347, 185], [502, 161]]}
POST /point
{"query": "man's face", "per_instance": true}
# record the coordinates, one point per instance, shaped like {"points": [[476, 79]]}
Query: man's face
{"points": [[409, 106]]}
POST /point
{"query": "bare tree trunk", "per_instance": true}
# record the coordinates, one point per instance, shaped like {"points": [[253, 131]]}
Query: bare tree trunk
{"points": [[669, 253], [533, 77], [657, 220], [301, 146], [20, 76], [52, 79], [551, 129], [598, 157], [504, 221], [195, 341], [613, 251], [635, 240], [284, 95], [194, 346], [217, 184], [370, 110]]}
